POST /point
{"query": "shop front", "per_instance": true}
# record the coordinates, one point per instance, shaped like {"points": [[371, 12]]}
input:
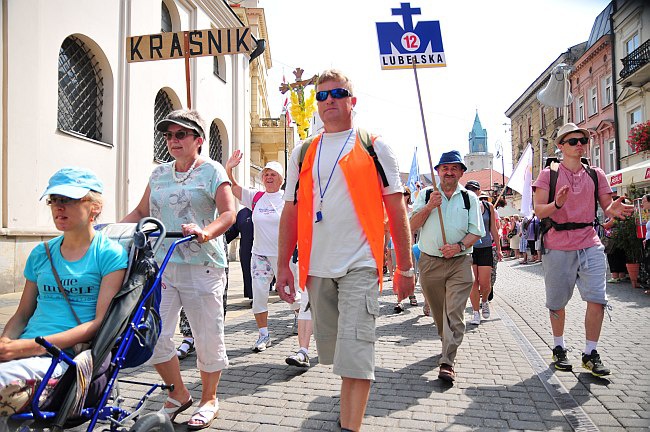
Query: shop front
{"points": [[637, 174]]}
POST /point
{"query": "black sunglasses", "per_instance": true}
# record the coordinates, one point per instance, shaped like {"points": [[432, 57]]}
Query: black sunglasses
{"points": [[179, 135], [59, 200], [337, 93], [575, 141]]}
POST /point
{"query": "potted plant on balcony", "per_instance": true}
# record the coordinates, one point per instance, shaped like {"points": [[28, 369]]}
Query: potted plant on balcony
{"points": [[639, 138]]}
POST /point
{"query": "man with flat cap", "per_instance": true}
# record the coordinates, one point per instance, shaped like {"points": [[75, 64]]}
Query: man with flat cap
{"points": [[446, 268]]}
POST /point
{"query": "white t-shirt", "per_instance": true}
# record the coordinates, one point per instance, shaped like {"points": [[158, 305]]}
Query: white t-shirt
{"points": [[339, 243], [266, 220]]}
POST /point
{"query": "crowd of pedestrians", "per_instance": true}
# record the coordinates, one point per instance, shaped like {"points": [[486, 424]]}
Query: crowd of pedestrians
{"points": [[342, 217]]}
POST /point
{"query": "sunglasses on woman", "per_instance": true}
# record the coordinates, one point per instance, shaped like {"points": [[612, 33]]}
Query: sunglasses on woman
{"points": [[179, 135], [575, 141], [57, 200], [337, 93]]}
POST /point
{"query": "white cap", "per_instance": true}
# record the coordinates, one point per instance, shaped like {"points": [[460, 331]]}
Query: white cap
{"points": [[275, 166]]}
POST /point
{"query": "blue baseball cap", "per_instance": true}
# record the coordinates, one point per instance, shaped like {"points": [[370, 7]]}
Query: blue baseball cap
{"points": [[73, 183], [450, 158]]}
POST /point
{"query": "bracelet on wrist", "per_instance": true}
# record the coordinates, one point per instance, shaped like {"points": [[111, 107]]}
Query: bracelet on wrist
{"points": [[556, 206]]}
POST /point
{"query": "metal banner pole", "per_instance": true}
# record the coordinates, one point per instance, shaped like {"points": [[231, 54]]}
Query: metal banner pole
{"points": [[426, 140]]}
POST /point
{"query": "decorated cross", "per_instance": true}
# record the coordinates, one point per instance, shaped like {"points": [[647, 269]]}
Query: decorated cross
{"points": [[302, 109], [284, 87]]}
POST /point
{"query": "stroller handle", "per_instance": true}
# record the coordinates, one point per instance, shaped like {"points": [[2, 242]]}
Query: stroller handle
{"points": [[140, 239], [179, 234]]}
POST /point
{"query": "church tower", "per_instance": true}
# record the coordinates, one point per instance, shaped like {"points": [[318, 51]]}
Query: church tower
{"points": [[478, 157], [477, 137]]}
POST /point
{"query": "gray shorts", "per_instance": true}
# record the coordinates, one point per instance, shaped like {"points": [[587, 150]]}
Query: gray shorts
{"points": [[344, 311], [563, 270]]}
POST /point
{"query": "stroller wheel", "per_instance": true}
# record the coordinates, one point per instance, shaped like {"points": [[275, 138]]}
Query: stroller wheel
{"points": [[154, 421]]}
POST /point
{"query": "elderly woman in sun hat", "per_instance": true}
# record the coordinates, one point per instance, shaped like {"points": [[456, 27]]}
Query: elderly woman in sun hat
{"points": [[191, 194], [92, 267], [267, 207]]}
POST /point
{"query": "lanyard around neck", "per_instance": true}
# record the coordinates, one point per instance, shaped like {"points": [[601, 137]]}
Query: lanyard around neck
{"points": [[320, 147]]}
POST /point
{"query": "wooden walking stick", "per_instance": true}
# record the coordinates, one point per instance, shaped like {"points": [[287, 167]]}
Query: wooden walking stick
{"points": [[426, 140]]}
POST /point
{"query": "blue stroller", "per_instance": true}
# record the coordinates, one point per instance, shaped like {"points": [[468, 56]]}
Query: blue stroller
{"points": [[126, 338]]}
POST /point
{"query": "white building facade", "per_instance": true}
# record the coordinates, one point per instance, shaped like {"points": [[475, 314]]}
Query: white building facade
{"points": [[69, 98]]}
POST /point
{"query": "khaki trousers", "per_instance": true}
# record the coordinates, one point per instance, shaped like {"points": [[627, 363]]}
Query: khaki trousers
{"points": [[446, 284]]}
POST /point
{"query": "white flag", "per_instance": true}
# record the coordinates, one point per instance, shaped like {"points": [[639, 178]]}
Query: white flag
{"points": [[522, 180]]}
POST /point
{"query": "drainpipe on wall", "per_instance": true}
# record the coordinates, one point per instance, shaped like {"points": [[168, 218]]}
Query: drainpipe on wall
{"points": [[4, 222], [614, 95], [122, 142]]}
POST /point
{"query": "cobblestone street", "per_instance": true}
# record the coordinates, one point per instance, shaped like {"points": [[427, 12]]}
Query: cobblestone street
{"points": [[504, 380]]}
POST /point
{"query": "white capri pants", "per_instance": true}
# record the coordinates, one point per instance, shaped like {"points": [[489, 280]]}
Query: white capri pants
{"points": [[263, 269], [199, 291], [29, 368]]}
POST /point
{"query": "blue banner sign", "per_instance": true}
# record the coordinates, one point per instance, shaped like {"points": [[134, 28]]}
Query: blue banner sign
{"points": [[402, 46]]}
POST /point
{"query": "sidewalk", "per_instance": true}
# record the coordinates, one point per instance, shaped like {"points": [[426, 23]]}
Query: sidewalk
{"points": [[504, 380]]}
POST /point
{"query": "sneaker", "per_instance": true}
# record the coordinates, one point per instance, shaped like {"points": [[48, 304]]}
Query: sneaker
{"points": [[592, 362], [613, 280], [485, 309], [262, 343], [299, 359], [476, 319], [561, 360]]}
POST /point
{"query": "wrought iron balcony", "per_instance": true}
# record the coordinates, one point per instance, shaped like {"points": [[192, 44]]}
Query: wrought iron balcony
{"points": [[636, 60]]}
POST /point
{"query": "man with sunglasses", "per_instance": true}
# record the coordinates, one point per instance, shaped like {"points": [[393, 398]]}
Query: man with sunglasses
{"points": [[573, 254], [337, 222]]}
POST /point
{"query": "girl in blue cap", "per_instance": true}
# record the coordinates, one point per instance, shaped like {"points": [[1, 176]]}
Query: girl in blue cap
{"points": [[90, 269]]}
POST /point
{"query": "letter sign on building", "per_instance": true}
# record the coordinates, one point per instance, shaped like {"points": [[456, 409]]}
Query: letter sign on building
{"points": [[401, 47], [213, 42]]}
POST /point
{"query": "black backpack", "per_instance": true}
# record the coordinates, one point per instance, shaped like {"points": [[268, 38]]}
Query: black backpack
{"points": [[463, 192]]}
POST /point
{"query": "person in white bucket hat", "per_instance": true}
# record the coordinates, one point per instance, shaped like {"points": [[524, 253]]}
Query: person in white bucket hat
{"points": [[267, 207]]}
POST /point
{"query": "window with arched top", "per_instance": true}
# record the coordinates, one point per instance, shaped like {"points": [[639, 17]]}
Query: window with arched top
{"points": [[81, 90], [163, 106], [165, 19], [216, 145]]}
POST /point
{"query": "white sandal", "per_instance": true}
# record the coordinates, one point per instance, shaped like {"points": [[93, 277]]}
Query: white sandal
{"points": [[205, 414], [175, 410], [185, 348]]}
